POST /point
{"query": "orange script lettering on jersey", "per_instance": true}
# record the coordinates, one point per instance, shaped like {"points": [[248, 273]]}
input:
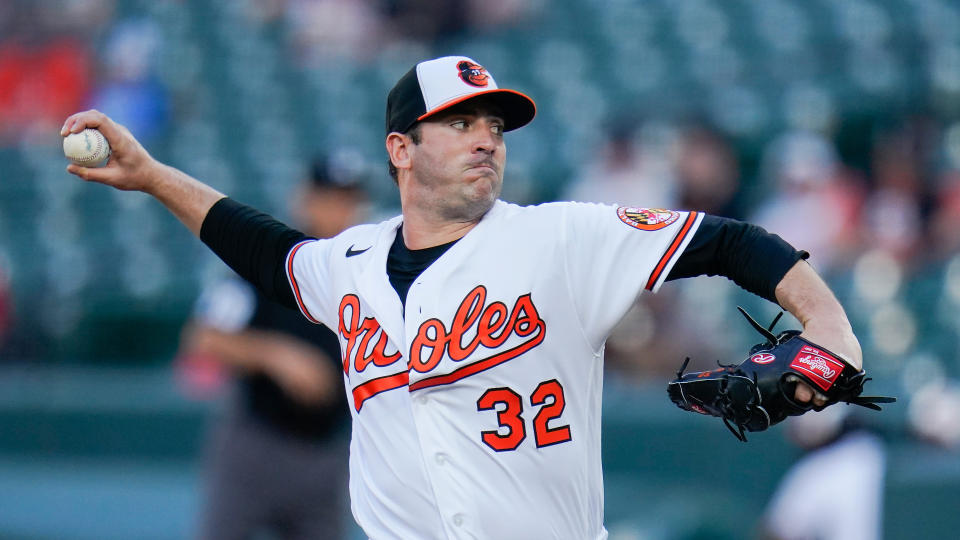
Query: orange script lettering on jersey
{"points": [[494, 325], [359, 334]]}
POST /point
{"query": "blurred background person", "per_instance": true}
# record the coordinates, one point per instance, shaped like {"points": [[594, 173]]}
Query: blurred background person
{"points": [[813, 202], [277, 460], [945, 214], [897, 204], [625, 170], [6, 305], [933, 414], [945, 219], [128, 87], [707, 172], [324, 31], [835, 490]]}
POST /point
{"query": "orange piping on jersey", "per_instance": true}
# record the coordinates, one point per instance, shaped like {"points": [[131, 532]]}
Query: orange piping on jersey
{"points": [[691, 218], [375, 386], [482, 365], [293, 281]]}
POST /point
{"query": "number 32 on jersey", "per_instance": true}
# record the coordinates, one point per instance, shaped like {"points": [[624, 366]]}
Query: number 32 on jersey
{"points": [[508, 404]]}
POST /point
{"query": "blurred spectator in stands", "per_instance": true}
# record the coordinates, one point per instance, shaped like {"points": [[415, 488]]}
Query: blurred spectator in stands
{"points": [[277, 463], [944, 221], [131, 91], [842, 475], [266, 12], [429, 21], [707, 171], [6, 304], [625, 172], [815, 201], [426, 20], [331, 31], [893, 217], [45, 64], [934, 413], [485, 14], [325, 31]]}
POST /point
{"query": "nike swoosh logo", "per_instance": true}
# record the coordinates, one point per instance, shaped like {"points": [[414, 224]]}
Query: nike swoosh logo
{"points": [[353, 253]]}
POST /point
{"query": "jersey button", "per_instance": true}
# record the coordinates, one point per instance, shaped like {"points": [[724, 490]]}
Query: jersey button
{"points": [[422, 400], [458, 519], [440, 458]]}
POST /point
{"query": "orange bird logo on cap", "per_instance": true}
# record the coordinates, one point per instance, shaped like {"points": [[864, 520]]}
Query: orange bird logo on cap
{"points": [[473, 74]]}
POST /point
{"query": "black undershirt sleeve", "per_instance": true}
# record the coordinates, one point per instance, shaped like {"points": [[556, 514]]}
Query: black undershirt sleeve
{"points": [[254, 245], [746, 254]]}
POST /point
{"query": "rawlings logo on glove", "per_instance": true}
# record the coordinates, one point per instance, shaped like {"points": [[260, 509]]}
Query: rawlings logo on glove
{"points": [[821, 367], [758, 392]]}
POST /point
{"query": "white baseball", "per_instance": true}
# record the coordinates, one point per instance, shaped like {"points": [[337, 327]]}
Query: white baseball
{"points": [[89, 148]]}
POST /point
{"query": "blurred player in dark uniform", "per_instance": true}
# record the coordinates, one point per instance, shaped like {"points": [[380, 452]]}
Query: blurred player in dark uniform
{"points": [[277, 461]]}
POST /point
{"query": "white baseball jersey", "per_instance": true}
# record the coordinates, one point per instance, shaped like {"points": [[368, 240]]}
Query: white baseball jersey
{"points": [[476, 409]]}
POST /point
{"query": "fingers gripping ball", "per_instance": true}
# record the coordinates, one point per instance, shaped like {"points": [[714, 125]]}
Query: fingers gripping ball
{"points": [[89, 148], [759, 392]]}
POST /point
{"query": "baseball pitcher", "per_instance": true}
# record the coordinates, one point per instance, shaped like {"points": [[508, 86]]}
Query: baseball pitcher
{"points": [[472, 330]]}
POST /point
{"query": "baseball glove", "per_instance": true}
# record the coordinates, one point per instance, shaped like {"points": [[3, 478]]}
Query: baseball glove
{"points": [[758, 392]]}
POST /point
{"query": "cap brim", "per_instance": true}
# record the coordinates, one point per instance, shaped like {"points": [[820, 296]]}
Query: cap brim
{"points": [[518, 109]]}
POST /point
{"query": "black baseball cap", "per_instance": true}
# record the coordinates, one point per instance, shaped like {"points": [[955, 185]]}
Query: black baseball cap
{"points": [[343, 169], [436, 85]]}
